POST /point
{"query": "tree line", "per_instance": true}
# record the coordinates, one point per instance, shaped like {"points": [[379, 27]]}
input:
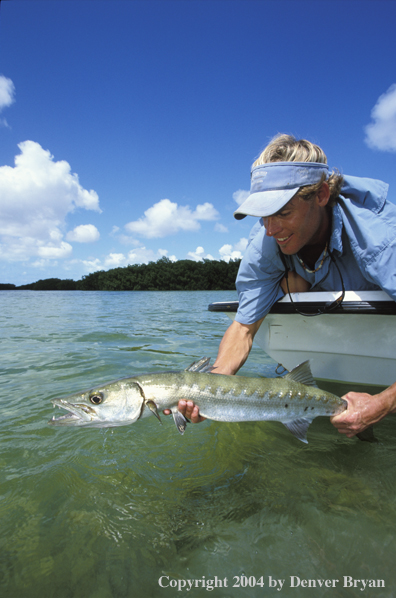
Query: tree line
{"points": [[163, 275]]}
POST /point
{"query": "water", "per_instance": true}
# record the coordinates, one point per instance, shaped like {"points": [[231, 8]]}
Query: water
{"points": [[109, 513]]}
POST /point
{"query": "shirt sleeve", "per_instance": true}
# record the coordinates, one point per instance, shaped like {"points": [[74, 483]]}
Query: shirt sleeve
{"points": [[373, 241], [381, 268], [258, 280]]}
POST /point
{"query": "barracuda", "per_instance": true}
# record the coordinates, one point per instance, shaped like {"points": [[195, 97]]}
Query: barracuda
{"points": [[293, 400]]}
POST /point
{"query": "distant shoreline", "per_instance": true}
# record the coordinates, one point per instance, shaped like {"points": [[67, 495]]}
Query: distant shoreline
{"points": [[163, 275]]}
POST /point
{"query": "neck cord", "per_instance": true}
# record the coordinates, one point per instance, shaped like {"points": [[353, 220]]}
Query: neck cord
{"points": [[329, 306], [321, 261]]}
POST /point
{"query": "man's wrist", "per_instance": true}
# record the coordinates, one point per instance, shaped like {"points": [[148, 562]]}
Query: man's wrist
{"points": [[388, 398]]}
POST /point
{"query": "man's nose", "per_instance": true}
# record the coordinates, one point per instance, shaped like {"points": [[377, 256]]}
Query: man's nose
{"points": [[272, 226]]}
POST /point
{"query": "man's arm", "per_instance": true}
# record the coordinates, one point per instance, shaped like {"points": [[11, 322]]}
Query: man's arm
{"points": [[235, 347], [364, 410], [238, 339], [233, 352]]}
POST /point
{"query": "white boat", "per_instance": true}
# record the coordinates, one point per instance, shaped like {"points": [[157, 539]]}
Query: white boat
{"points": [[354, 343]]}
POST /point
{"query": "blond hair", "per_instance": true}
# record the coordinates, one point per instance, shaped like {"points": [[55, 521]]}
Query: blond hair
{"points": [[286, 148]]}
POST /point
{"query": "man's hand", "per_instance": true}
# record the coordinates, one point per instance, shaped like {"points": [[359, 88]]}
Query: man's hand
{"points": [[364, 410], [233, 352], [189, 410]]}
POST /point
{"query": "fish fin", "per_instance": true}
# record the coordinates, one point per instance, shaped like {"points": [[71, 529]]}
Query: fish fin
{"points": [[299, 428], [367, 435], [302, 373], [153, 408], [180, 421], [208, 369], [200, 366]]}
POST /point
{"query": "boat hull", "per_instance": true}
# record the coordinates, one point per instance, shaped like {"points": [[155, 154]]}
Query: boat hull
{"points": [[355, 343]]}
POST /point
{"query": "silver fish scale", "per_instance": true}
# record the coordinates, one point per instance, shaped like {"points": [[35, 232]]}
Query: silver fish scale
{"points": [[292, 400], [237, 398]]}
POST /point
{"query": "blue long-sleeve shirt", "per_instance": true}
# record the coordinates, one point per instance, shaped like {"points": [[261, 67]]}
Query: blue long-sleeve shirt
{"points": [[363, 242]]}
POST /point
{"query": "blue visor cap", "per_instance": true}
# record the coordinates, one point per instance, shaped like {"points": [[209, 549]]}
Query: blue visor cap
{"points": [[275, 183]]}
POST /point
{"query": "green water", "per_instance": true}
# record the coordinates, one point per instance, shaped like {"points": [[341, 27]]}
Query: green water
{"points": [[109, 513]]}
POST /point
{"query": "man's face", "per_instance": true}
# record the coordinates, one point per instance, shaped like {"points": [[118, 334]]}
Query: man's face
{"points": [[299, 223]]}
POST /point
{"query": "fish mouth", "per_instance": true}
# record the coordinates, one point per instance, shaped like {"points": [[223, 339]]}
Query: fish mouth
{"points": [[77, 414]]}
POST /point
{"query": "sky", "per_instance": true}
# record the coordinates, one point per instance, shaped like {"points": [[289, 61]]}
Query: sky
{"points": [[128, 127]]}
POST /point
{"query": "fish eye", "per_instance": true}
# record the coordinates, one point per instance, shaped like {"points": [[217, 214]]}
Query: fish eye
{"points": [[96, 398]]}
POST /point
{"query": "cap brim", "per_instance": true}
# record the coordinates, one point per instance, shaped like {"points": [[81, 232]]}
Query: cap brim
{"points": [[265, 203]]}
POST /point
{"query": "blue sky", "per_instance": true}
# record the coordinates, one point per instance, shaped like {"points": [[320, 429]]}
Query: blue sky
{"points": [[128, 128]]}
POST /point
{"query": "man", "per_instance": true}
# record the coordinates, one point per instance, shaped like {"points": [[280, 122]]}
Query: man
{"points": [[316, 231]]}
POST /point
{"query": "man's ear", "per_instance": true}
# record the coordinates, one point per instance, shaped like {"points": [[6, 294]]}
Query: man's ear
{"points": [[324, 195]]}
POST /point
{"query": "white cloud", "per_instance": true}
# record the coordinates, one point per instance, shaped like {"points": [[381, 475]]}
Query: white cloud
{"points": [[167, 218], [233, 252], [120, 260], [7, 96], [381, 134], [240, 196], [199, 254], [220, 228], [61, 251], [91, 265], [36, 196], [7, 92], [164, 253], [227, 252], [115, 260], [85, 233], [241, 245], [124, 239], [43, 264], [141, 255]]}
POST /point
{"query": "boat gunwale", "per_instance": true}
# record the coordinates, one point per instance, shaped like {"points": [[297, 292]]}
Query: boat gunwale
{"points": [[363, 303]]}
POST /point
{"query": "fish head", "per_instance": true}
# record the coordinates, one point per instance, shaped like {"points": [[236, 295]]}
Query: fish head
{"points": [[118, 403]]}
